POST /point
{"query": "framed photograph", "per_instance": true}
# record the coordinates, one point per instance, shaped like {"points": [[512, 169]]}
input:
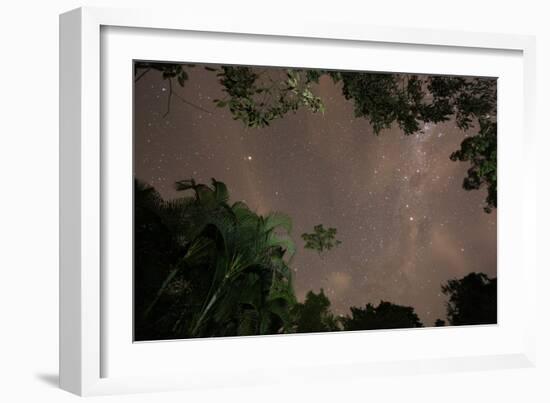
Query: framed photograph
{"points": [[245, 204]]}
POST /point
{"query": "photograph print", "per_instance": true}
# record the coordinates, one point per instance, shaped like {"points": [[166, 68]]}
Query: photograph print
{"points": [[276, 200]]}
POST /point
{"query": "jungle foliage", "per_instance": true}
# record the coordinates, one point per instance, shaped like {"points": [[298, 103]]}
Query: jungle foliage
{"points": [[384, 316], [472, 300], [257, 97], [206, 267], [321, 239], [314, 315]]}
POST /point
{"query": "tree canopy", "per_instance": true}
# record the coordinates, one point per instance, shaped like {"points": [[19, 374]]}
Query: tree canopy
{"points": [[472, 300], [321, 239], [257, 97], [222, 269], [314, 315], [207, 267], [384, 316], [439, 323]]}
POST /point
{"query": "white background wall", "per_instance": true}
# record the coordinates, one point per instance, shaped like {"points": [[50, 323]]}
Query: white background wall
{"points": [[29, 201]]}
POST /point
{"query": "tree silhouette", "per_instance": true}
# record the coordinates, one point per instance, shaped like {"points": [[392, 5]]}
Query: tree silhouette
{"points": [[205, 267], [321, 239], [313, 315], [472, 300], [384, 316], [481, 152], [439, 323], [156, 250], [258, 97]]}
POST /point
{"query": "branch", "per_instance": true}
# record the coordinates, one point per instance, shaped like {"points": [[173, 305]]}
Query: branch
{"points": [[142, 74], [170, 92], [200, 108]]}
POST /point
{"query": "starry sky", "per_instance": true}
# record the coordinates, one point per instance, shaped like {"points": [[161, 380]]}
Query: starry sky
{"points": [[405, 222]]}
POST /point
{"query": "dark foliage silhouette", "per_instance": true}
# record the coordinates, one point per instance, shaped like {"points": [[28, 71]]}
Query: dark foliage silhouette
{"points": [[205, 267], [439, 323], [314, 314], [472, 300], [384, 316], [321, 239], [257, 97]]}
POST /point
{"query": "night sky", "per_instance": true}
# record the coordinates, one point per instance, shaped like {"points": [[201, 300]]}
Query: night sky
{"points": [[405, 222]]}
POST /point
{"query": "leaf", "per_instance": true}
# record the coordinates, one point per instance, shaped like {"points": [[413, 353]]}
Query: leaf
{"points": [[220, 191], [185, 184], [278, 220]]}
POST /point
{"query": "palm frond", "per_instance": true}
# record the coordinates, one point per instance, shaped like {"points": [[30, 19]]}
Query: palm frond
{"points": [[278, 220]]}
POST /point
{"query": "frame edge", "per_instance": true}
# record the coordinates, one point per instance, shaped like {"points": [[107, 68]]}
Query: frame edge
{"points": [[70, 120]]}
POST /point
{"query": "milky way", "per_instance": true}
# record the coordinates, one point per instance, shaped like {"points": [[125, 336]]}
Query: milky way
{"points": [[405, 222]]}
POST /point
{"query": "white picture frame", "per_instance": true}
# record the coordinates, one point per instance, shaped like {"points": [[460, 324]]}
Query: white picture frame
{"points": [[96, 354]]}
